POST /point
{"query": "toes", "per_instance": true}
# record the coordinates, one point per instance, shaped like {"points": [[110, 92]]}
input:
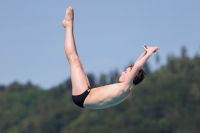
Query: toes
{"points": [[69, 8]]}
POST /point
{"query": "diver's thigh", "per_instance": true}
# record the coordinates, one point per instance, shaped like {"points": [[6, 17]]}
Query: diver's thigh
{"points": [[78, 78]]}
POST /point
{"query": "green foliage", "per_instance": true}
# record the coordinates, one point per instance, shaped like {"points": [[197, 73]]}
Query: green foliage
{"points": [[146, 68], [157, 58], [102, 80], [91, 79], [2, 88], [113, 77], [167, 101]]}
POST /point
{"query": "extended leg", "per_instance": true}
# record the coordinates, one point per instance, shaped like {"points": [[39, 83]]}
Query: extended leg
{"points": [[79, 79]]}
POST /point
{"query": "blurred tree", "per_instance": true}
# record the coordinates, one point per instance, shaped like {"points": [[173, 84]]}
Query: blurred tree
{"points": [[157, 58], [15, 86], [28, 85], [102, 80], [198, 51], [170, 57], [2, 88], [183, 51], [68, 83], [114, 77], [91, 79], [146, 68], [171, 61]]}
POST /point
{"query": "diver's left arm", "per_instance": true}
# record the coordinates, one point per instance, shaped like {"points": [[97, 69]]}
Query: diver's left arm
{"points": [[128, 83], [138, 65], [142, 55]]}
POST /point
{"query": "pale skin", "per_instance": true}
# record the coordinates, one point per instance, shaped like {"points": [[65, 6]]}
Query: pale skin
{"points": [[104, 96]]}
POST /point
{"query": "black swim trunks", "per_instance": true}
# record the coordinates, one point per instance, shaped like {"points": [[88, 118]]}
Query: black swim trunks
{"points": [[79, 99]]}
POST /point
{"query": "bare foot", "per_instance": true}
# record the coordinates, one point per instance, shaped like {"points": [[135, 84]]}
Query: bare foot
{"points": [[69, 17]]}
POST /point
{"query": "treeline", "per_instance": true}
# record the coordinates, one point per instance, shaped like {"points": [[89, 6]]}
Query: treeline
{"points": [[167, 101]]}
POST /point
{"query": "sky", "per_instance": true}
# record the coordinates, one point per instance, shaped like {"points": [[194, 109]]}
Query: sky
{"points": [[109, 36]]}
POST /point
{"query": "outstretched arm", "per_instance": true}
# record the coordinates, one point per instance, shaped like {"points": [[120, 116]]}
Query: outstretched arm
{"points": [[139, 63], [145, 57], [142, 55]]}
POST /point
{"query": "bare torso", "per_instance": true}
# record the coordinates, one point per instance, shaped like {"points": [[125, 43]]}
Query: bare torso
{"points": [[108, 95]]}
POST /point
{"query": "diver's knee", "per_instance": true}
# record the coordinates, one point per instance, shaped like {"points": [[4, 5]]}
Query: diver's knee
{"points": [[73, 59]]}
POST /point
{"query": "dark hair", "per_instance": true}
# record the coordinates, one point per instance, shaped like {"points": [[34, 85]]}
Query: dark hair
{"points": [[139, 77]]}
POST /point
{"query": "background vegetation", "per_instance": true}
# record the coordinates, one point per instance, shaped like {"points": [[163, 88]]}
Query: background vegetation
{"points": [[167, 101]]}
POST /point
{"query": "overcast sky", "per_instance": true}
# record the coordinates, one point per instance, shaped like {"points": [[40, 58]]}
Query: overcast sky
{"points": [[109, 35]]}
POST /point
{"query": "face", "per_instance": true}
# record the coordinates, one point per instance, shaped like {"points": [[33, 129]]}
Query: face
{"points": [[124, 74]]}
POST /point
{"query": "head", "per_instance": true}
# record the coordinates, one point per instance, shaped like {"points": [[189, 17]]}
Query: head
{"points": [[138, 78]]}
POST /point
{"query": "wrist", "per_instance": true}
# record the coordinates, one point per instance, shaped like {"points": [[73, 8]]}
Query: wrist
{"points": [[148, 53]]}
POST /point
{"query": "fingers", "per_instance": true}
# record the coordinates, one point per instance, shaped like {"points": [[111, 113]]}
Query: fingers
{"points": [[145, 48], [156, 49], [150, 49]]}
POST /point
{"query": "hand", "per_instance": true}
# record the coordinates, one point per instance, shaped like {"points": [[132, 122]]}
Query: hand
{"points": [[150, 49]]}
